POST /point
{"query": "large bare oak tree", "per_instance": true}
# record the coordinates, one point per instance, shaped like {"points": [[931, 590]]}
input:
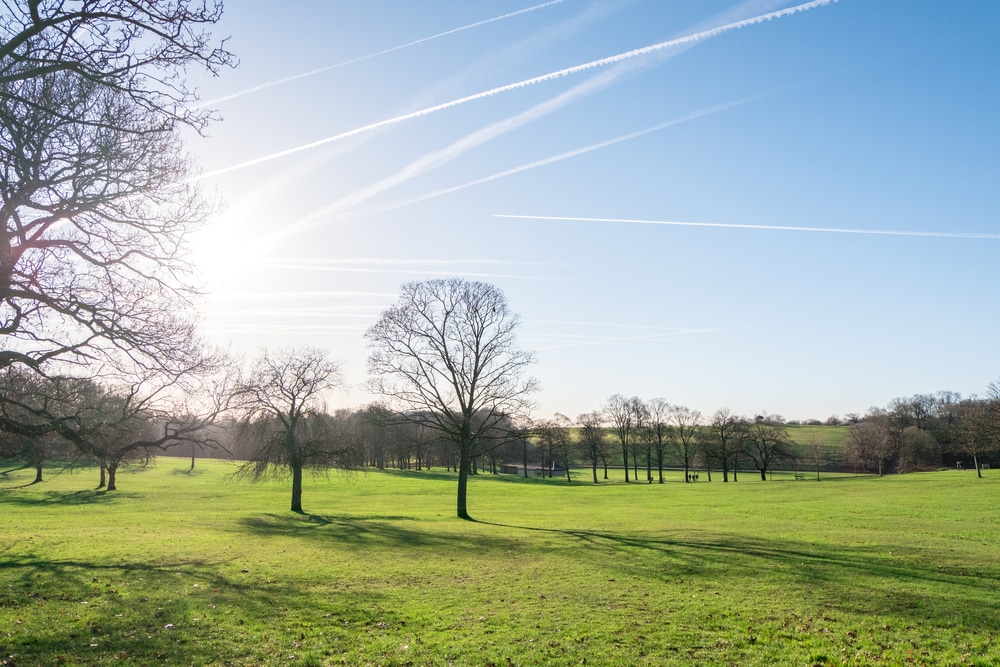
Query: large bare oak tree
{"points": [[446, 355], [95, 203], [138, 50]]}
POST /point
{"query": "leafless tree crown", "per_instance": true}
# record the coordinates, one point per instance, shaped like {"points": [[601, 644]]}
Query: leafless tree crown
{"points": [[448, 350]]}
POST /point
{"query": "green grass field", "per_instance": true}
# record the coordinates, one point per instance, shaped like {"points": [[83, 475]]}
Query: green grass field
{"points": [[832, 437], [188, 569]]}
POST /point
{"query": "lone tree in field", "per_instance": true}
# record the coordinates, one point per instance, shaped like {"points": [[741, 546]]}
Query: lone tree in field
{"points": [[446, 356], [281, 401]]}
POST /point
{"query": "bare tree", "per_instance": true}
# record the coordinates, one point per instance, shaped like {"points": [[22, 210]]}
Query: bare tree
{"points": [[766, 443], [658, 431], [281, 401], [915, 447], [721, 441], [622, 414], [95, 202], [36, 404], [816, 454], [871, 441], [139, 50], [554, 439], [593, 440], [980, 427], [447, 355], [685, 424], [93, 230], [150, 410]]}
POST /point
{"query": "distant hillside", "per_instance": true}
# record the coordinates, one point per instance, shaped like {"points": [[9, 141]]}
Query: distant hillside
{"points": [[831, 436]]}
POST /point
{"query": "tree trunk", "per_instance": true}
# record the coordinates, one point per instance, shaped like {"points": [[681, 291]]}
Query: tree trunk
{"points": [[463, 482], [112, 471], [103, 479], [763, 474], [595, 472], [975, 459], [687, 473], [38, 473], [297, 487], [192, 456], [625, 457]]}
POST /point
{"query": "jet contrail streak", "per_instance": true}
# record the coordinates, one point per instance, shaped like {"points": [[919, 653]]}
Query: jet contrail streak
{"points": [[726, 225], [440, 157], [563, 156], [602, 62], [319, 70]]}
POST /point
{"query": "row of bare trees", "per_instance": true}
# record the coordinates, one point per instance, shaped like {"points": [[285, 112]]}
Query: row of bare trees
{"points": [[654, 434]]}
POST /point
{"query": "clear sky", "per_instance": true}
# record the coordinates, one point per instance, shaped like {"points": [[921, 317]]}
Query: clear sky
{"points": [[782, 137]]}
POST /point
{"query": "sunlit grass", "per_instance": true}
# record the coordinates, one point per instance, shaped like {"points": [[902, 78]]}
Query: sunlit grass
{"points": [[181, 568]]}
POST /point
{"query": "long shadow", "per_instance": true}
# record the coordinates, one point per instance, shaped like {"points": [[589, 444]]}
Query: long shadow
{"points": [[492, 477], [5, 473], [907, 587], [154, 612], [365, 532], [55, 498], [439, 475]]}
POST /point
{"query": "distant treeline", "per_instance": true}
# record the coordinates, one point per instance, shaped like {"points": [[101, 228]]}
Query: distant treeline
{"points": [[921, 432]]}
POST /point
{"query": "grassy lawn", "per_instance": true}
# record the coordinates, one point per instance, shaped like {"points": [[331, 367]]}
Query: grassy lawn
{"points": [[179, 568]]}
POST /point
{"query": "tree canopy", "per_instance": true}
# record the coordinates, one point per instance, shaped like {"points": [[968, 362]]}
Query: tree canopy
{"points": [[446, 355]]}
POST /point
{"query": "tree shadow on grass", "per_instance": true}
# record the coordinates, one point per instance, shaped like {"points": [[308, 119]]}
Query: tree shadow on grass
{"points": [[16, 468], [57, 498], [880, 579], [188, 472], [366, 532], [171, 612]]}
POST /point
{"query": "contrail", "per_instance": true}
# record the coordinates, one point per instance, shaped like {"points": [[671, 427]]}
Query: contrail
{"points": [[726, 225], [438, 158], [319, 70], [558, 74], [564, 156]]}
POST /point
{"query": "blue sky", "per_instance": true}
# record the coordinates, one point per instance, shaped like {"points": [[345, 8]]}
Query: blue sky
{"points": [[849, 115]]}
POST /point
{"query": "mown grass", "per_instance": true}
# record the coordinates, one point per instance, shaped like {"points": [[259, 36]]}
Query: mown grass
{"points": [[181, 568]]}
